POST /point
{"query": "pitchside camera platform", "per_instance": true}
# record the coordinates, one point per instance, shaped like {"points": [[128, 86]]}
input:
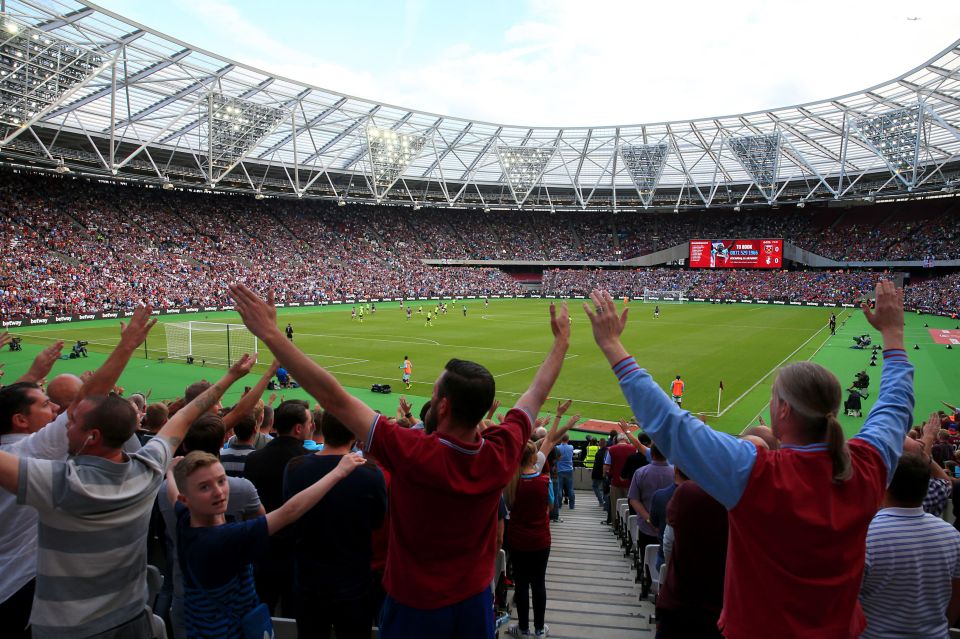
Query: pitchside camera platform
{"points": [[736, 254]]}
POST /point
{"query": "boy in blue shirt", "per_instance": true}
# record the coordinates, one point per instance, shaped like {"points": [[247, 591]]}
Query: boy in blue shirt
{"points": [[216, 557]]}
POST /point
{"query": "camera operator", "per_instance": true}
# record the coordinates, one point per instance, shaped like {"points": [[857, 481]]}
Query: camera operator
{"points": [[80, 349]]}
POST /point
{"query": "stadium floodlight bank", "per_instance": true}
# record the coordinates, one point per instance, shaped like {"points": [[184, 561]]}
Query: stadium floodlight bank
{"points": [[663, 297], [209, 342]]}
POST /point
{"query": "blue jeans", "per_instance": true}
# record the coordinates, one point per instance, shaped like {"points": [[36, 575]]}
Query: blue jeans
{"points": [[598, 491], [557, 498], [566, 481], [471, 618]]}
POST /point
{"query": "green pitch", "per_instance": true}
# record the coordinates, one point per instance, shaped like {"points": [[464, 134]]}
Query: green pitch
{"points": [[741, 345]]}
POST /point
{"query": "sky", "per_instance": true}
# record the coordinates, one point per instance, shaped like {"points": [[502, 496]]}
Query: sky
{"points": [[568, 62]]}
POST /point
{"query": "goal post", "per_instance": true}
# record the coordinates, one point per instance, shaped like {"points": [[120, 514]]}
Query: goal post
{"points": [[652, 296], [209, 342]]}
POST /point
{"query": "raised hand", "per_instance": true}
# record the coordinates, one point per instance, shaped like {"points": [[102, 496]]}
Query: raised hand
{"points": [[560, 322], [243, 365], [556, 433], [5, 338], [606, 324], [258, 315], [887, 316], [134, 333], [624, 426], [563, 406], [43, 363], [493, 408], [932, 428]]}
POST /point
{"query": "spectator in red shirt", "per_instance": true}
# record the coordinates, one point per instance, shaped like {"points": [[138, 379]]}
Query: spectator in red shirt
{"points": [[612, 465], [445, 487]]}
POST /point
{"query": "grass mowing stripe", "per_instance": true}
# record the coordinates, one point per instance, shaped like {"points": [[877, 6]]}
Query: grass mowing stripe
{"points": [[784, 360]]}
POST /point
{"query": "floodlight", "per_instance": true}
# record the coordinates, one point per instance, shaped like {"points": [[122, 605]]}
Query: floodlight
{"points": [[61, 167], [35, 77], [258, 196], [523, 166], [736, 209], [235, 127], [893, 135], [759, 155], [801, 204], [341, 202], [391, 153], [645, 164], [167, 184]]}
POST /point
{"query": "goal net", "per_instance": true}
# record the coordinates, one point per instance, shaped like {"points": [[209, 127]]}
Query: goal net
{"points": [[651, 296], [209, 342]]}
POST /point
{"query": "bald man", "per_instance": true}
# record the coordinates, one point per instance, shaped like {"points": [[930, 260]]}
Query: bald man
{"points": [[62, 390]]}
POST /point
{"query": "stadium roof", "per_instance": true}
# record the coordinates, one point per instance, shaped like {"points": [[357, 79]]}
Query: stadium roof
{"points": [[88, 90]]}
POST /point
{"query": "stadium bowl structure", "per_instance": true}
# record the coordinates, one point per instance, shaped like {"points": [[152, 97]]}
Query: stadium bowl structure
{"points": [[85, 90]]}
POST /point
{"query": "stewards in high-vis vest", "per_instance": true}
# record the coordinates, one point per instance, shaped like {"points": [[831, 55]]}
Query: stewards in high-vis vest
{"points": [[592, 449], [676, 390]]}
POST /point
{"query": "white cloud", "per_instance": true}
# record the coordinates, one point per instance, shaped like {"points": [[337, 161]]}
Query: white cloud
{"points": [[576, 63]]}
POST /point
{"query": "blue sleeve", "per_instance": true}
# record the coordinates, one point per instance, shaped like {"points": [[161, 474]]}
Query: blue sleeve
{"points": [[720, 463], [892, 415], [550, 496], [606, 459]]}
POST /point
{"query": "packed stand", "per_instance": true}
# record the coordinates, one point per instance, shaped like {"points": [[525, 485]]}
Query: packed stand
{"points": [[77, 246], [814, 286]]}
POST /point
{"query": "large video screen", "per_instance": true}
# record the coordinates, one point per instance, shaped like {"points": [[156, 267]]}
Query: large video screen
{"points": [[736, 253]]}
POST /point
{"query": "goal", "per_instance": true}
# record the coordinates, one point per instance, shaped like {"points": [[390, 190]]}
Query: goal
{"points": [[663, 297], [209, 342]]}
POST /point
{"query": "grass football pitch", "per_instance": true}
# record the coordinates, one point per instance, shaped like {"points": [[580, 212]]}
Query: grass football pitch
{"points": [[741, 345]]}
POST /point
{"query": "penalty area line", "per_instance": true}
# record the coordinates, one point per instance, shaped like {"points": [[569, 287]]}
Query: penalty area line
{"points": [[527, 368], [771, 371], [812, 355]]}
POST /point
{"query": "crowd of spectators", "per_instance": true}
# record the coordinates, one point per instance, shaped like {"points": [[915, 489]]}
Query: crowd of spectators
{"points": [[74, 246], [934, 294], [832, 287], [405, 536]]}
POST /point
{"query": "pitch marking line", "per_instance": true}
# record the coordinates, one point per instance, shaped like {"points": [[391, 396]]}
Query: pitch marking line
{"points": [[771, 371], [374, 339], [520, 370], [359, 361], [764, 407]]}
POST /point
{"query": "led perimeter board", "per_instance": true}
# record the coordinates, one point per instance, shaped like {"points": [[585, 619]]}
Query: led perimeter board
{"points": [[736, 254]]}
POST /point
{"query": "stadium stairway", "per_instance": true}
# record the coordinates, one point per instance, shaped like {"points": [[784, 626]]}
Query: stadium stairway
{"points": [[590, 584]]}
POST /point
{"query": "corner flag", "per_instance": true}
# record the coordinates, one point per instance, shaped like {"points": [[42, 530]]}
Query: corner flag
{"points": [[719, 394]]}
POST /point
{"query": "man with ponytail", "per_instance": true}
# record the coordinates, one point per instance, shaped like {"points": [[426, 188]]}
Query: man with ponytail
{"points": [[798, 516]]}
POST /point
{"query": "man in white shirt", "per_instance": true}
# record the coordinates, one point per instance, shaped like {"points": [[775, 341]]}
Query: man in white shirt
{"points": [[911, 581]]}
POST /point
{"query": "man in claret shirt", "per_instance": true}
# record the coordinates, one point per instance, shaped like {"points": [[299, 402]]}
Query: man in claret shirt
{"points": [[445, 487]]}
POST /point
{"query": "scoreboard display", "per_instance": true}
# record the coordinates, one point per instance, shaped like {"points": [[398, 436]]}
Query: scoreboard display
{"points": [[736, 254]]}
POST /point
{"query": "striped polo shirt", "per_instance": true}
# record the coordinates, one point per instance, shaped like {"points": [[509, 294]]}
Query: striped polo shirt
{"points": [[912, 558], [92, 531], [233, 458]]}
